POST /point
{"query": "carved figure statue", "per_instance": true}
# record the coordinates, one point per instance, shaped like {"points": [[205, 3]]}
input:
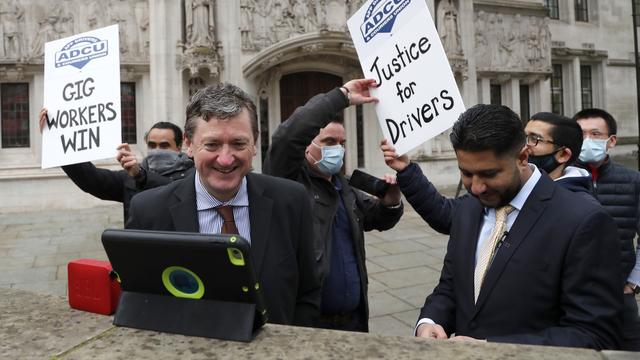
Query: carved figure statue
{"points": [[142, 19], [247, 7], [48, 31], [447, 17], [200, 22], [11, 14]]}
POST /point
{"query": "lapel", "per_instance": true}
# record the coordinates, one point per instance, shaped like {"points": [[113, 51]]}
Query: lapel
{"points": [[260, 212], [468, 240], [183, 208], [533, 208]]}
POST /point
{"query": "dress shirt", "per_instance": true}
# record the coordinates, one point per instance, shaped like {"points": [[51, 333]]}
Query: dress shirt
{"points": [[210, 220]]}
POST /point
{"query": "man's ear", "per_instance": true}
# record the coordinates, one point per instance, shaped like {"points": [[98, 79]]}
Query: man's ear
{"points": [[563, 155], [612, 142], [187, 143], [523, 156]]}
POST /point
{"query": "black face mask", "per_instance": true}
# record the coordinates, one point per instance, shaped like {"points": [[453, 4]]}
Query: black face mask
{"points": [[548, 162]]}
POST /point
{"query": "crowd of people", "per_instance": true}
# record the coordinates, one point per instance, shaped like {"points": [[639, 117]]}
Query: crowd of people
{"points": [[541, 248]]}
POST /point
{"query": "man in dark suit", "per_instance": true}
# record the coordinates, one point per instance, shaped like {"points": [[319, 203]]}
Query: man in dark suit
{"points": [[527, 261], [222, 196]]}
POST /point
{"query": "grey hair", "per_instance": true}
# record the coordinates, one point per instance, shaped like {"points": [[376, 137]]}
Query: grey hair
{"points": [[221, 101]]}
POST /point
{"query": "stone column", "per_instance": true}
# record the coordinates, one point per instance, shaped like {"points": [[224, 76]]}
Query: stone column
{"points": [[167, 93], [512, 95], [485, 91], [575, 88]]}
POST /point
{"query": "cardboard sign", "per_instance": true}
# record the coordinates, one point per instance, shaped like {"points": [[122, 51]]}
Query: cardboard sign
{"points": [[82, 95], [399, 47]]}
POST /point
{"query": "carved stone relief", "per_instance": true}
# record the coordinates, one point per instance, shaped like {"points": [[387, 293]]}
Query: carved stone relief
{"points": [[507, 42], [266, 22], [200, 50], [26, 25]]}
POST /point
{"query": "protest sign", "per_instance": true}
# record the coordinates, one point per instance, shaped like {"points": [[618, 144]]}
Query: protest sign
{"points": [[399, 47], [82, 95]]}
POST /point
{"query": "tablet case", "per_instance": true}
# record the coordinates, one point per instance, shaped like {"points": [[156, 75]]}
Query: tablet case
{"points": [[186, 283]]}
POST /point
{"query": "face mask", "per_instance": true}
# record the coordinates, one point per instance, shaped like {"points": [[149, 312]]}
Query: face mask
{"points": [[593, 150], [160, 161], [332, 158], [548, 162]]}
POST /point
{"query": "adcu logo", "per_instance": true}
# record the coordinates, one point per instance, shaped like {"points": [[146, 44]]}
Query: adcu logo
{"points": [[78, 52], [380, 17]]}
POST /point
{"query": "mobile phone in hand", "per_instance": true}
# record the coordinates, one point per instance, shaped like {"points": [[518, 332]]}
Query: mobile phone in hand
{"points": [[368, 183]]}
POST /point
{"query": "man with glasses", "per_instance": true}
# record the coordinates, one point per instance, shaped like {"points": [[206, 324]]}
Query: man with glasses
{"points": [[617, 188]]}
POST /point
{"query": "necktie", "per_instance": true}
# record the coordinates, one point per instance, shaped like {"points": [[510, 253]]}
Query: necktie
{"points": [[488, 248], [229, 224]]}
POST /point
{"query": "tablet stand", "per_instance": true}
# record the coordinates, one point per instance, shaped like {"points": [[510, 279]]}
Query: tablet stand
{"points": [[223, 320]]}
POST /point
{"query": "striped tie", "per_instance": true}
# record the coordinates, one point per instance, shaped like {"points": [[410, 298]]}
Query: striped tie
{"points": [[488, 248], [229, 224]]}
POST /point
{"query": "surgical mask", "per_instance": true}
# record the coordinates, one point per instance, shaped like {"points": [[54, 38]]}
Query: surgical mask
{"points": [[332, 159], [547, 162], [593, 150], [161, 161]]}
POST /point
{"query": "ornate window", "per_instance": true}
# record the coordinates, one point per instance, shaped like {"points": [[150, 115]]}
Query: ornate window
{"points": [[552, 5], [586, 86], [128, 112], [557, 105], [15, 115], [582, 10]]}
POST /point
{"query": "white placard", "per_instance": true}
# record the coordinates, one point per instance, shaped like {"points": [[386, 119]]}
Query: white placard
{"points": [[398, 45], [82, 95]]}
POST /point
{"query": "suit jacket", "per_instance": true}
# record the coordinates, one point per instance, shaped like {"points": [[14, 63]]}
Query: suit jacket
{"points": [[281, 233], [555, 281]]}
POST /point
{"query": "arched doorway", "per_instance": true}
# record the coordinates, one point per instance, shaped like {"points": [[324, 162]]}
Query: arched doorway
{"points": [[297, 88]]}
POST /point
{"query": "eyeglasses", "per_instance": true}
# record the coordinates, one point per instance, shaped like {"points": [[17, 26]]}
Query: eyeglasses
{"points": [[533, 140]]}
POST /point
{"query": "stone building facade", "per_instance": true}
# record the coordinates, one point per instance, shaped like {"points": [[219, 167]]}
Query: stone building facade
{"points": [[531, 55]]}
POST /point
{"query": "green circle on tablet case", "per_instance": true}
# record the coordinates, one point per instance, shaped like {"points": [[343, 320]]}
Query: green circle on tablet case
{"points": [[182, 282]]}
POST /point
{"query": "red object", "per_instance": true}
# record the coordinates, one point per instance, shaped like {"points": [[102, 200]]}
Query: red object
{"points": [[92, 287]]}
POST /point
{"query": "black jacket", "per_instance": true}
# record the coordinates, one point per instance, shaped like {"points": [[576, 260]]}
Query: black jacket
{"points": [[116, 185], [617, 188], [286, 158]]}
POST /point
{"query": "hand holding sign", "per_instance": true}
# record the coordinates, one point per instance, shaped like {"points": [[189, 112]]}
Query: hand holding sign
{"points": [[399, 48], [358, 91]]}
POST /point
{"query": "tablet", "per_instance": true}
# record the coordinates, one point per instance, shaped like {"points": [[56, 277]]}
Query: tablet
{"points": [[184, 271]]}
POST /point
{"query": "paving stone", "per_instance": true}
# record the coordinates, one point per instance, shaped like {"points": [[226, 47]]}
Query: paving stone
{"points": [[373, 268], [409, 317], [28, 275], [400, 246], [414, 295], [372, 250], [383, 303], [388, 325], [16, 262], [55, 259], [406, 277], [376, 286], [33, 250], [55, 287], [405, 260]]}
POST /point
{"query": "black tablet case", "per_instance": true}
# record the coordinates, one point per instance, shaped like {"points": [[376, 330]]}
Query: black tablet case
{"points": [[231, 307]]}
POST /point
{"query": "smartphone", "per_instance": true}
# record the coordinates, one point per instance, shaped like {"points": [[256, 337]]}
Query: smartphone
{"points": [[368, 183]]}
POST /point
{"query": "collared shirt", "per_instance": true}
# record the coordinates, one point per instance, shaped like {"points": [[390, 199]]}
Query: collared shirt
{"points": [[341, 288], [209, 219], [489, 219]]}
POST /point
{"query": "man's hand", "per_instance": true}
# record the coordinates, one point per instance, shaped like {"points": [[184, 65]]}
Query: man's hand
{"points": [[391, 158], [359, 91], [393, 195], [42, 118], [431, 331], [127, 160], [467, 339]]}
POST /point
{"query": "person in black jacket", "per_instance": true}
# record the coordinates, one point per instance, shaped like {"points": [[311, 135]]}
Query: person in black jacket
{"points": [[618, 190], [308, 148], [163, 164]]}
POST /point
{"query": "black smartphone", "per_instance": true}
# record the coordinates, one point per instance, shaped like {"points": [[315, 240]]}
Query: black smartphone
{"points": [[368, 183]]}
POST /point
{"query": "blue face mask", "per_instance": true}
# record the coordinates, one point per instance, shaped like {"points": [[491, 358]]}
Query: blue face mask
{"points": [[593, 150], [332, 159]]}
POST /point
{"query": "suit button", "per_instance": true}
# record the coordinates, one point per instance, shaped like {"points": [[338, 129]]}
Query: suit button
{"points": [[473, 325]]}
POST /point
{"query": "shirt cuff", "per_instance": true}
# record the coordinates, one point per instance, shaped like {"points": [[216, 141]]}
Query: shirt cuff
{"points": [[634, 275], [420, 322]]}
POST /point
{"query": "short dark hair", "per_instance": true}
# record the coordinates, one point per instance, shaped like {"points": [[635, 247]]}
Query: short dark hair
{"points": [[564, 132], [177, 132], [488, 127], [612, 126], [222, 101], [338, 118]]}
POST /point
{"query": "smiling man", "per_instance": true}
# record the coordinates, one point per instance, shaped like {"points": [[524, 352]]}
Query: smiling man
{"points": [[521, 258], [223, 196]]}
